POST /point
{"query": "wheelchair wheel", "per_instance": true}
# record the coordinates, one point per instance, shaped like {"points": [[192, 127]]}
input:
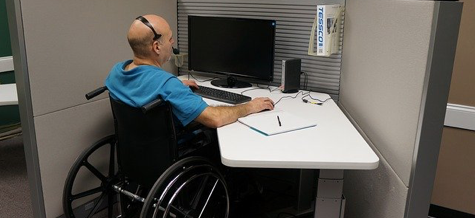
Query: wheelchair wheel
{"points": [[76, 194], [191, 188]]}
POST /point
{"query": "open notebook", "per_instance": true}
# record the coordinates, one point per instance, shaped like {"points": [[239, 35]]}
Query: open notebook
{"points": [[267, 123]]}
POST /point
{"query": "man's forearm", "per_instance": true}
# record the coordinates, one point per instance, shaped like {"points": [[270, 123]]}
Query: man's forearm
{"points": [[215, 117], [221, 115], [230, 114]]}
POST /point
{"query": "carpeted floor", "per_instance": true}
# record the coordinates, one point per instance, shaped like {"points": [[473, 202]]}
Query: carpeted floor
{"points": [[14, 190]]}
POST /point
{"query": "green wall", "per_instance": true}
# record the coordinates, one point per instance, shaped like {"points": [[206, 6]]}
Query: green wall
{"points": [[7, 77], [8, 114], [5, 46]]}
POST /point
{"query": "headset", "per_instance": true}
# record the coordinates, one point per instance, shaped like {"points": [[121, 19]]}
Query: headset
{"points": [[156, 36]]}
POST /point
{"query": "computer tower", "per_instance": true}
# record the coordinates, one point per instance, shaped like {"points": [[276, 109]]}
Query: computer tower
{"points": [[291, 75]]}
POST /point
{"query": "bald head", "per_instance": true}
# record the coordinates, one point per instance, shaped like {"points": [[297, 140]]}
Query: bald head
{"points": [[140, 36]]}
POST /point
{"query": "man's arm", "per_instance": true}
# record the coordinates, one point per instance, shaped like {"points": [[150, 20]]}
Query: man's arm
{"points": [[190, 83], [215, 117]]}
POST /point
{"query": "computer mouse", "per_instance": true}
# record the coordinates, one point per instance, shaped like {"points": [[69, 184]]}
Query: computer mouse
{"points": [[193, 89]]}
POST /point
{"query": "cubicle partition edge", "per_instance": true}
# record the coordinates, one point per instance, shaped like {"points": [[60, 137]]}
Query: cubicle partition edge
{"points": [[445, 29], [25, 106]]}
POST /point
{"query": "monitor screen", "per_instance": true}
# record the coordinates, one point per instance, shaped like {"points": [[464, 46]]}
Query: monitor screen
{"points": [[232, 46]]}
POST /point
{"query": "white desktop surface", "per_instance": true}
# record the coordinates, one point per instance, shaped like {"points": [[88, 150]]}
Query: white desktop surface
{"points": [[8, 94], [333, 144]]}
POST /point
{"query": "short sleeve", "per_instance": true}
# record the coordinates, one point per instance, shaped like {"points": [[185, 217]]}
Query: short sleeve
{"points": [[186, 105]]}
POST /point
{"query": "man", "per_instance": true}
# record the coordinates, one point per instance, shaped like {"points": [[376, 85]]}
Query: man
{"points": [[139, 81]]}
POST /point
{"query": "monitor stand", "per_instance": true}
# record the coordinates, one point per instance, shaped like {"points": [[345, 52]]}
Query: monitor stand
{"points": [[230, 82]]}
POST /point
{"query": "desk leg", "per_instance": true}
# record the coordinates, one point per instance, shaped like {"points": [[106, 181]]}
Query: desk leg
{"points": [[305, 192], [329, 202]]}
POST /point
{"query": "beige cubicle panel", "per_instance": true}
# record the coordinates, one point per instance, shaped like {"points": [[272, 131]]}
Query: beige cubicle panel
{"points": [[397, 63], [61, 50]]}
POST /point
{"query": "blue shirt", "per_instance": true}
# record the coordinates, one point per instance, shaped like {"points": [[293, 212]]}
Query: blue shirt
{"points": [[146, 83]]}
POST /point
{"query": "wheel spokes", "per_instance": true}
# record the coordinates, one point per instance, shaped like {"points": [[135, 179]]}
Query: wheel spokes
{"points": [[209, 196], [94, 171], [86, 193], [160, 208], [77, 180], [110, 204], [96, 206], [187, 190], [175, 209], [197, 197], [180, 189], [112, 160]]}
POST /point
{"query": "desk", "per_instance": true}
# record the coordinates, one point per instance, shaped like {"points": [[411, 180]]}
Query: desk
{"points": [[8, 95], [332, 146]]}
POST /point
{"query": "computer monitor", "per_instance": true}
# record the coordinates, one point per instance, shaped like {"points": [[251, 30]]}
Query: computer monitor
{"points": [[239, 48]]}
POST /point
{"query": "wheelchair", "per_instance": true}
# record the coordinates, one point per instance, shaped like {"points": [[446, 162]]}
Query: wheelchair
{"points": [[147, 173]]}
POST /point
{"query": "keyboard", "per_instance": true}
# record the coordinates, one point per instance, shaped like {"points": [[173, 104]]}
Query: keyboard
{"points": [[221, 95]]}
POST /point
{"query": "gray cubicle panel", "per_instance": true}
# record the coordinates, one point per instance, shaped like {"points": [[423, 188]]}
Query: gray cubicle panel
{"points": [[61, 50], [294, 23], [397, 65]]}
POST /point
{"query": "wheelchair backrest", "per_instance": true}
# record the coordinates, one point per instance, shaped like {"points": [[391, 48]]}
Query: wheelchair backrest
{"points": [[146, 141]]}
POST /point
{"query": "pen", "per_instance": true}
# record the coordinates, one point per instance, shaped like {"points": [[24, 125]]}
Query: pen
{"points": [[278, 119]]}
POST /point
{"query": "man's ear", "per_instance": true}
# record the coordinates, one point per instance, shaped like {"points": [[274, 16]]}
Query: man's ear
{"points": [[156, 47]]}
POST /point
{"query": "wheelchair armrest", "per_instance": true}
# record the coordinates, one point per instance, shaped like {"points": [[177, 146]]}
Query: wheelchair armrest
{"points": [[193, 126], [96, 92], [151, 105]]}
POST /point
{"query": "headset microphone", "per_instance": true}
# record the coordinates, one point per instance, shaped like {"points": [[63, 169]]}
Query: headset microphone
{"points": [[176, 50]]}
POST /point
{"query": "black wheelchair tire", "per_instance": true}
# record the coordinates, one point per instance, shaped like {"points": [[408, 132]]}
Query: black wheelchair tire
{"points": [[106, 181], [180, 169]]}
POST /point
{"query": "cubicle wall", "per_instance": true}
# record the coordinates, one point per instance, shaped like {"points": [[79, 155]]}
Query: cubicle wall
{"points": [[294, 24], [61, 50], [394, 85], [397, 63]]}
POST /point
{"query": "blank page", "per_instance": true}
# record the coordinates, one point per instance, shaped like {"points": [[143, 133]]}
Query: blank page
{"points": [[268, 124]]}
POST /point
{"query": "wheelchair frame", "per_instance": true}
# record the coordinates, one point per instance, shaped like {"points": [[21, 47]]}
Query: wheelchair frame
{"points": [[180, 191]]}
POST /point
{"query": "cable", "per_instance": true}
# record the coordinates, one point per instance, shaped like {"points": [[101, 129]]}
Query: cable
{"points": [[206, 80], [316, 99], [250, 89], [305, 85], [310, 102], [258, 87], [276, 88], [287, 97], [268, 87]]}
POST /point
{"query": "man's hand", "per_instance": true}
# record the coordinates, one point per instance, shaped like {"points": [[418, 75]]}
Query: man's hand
{"points": [[190, 83], [218, 116], [260, 104]]}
